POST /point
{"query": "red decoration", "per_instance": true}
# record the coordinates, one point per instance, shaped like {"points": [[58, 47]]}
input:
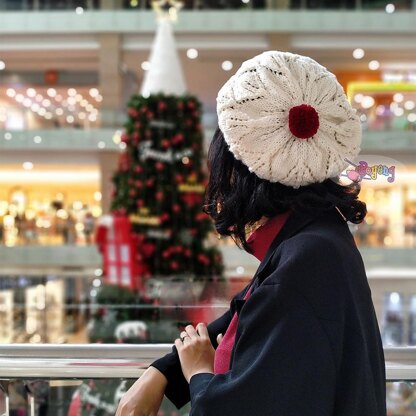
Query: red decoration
{"points": [[150, 182], [174, 265], [176, 208], [138, 169], [162, 106], [165, 143], [120, 259], [303, 121], [159, 166], [159, 196], [132, 112], [51, 77]]}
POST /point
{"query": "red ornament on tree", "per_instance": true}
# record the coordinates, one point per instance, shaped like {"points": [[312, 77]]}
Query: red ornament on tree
{"points": [[138, 169], [165, 143], [162, 106], [132, 112], [159, 166], [159, 196], [150, 182], [174, 265], [303, 121]]}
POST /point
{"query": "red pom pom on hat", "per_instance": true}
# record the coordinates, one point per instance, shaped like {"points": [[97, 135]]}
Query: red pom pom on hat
{"points": [[303, 121]]}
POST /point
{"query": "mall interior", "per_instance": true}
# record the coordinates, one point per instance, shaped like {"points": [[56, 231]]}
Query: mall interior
{"points": [[74, 276]]}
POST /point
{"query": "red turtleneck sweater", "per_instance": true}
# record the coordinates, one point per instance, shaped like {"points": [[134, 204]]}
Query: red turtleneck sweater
{"points": [[259, 242]]}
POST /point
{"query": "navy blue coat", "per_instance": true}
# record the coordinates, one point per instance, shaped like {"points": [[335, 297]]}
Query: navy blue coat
{"points": [[307, 342]]}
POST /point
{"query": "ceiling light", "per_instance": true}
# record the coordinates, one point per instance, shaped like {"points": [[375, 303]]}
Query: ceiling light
{"points": [[37, 139], [2, 65], [8, 136], [48, 116], [367, 102], [19, 98], [42, 111], [27, 102], [59, 111], [93, 92], [398, 112], [82, 115], [79, 10], [227, 65], [58, 98], [358, 53], [72, 92], [35, 107], [92, 117], [46, 102], [78, 97], [398, 97], [390, 8], [145, 65], [409, 105], [83, 103], [51, 92], [101, 145], [31, 92], [27, 165], [374, 65], [70, 119], [192, 53], [11, 92], [358, 98], [99, 98], [38, 98], [411, 117]]}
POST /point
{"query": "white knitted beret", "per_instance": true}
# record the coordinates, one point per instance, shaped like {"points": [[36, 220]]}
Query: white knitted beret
{"points": [[287, 118]]}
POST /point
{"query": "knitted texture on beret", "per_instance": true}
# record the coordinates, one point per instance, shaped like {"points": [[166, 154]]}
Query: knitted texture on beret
{"points": [[253, 109]]}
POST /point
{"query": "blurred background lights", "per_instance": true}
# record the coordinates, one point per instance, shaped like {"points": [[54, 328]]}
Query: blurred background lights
{"points": [[358, 53], [51, 92], [27, 165], [374, 65], [227, 65], [409, 105], [192, 53], [145, 65], [367, 102], [398, 97]]}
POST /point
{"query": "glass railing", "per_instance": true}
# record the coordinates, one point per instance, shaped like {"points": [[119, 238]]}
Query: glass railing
{"points": [[84, 5], [62, 380]]}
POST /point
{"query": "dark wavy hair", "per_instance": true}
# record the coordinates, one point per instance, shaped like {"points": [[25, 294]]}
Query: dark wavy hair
{"points": [[235, 197]]}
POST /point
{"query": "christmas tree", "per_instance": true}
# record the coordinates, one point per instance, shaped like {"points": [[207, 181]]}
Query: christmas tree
{"points": [[159, 189], [160, 185]]}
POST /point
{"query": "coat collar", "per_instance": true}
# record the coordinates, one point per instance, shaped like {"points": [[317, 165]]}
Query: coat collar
{"points": [[294, 223]]}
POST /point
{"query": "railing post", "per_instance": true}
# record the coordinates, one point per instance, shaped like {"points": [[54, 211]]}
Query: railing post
{"points": [[4, 386]]}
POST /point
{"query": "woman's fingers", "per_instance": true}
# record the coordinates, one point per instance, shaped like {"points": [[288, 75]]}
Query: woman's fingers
{"points": [[202, 330], [191, 331]]}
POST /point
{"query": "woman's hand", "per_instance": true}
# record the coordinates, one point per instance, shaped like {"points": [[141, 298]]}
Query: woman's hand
{"points": [[195, 350], [145, 396]]}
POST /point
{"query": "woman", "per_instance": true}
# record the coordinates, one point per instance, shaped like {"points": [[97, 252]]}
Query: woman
{"points": [[302, 338]]}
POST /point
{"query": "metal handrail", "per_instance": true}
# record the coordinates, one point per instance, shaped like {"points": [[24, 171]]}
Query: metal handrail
{"points": [[83, 361]]}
